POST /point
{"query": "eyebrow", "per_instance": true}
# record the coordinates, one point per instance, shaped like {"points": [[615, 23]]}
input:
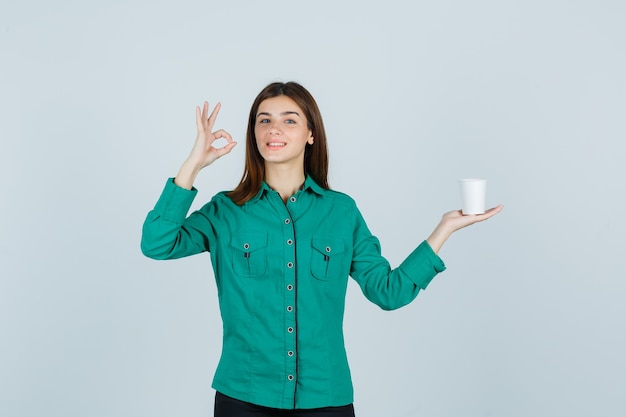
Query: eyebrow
{"points": [[285, 113]]}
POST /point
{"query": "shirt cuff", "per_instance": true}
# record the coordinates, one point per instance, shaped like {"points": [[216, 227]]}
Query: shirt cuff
{"points": [[174, 202], [422, 265]]}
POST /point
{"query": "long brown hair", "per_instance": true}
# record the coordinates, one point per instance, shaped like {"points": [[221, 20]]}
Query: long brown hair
{"points": [[315, 156]]}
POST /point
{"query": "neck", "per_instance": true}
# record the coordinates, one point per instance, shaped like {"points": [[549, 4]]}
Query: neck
{"points": [[285, 180]]}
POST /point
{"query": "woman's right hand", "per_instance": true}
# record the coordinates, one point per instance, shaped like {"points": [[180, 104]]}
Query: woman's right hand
{"points": [[203, 152]]}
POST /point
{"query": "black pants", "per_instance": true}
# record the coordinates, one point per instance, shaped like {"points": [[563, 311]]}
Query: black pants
{"points": [[226, 406]]}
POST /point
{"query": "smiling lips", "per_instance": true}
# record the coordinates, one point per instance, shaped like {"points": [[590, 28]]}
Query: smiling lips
{"points": [[276, 144]]}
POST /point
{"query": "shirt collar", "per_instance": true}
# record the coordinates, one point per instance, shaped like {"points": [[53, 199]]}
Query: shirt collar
{"points": [[309, 184]]}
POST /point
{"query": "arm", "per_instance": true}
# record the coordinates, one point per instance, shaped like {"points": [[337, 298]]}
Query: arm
{"points": [[386, 287], [393, 288], [167, 234]]}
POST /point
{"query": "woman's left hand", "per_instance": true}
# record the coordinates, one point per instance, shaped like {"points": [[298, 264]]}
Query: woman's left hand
{"points": [[455, 220]]}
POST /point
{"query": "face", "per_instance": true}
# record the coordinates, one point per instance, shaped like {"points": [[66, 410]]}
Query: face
{"points": [[281, 131]]}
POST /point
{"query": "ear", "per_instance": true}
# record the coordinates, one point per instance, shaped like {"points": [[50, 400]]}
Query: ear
{"points": [[311, 139]]}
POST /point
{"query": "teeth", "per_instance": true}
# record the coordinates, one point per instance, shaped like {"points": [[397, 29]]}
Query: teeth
{"points": [[276, 144]]}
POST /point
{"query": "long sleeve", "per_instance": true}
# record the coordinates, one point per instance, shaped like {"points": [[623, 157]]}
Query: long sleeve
{"points": [[390, 288], [167, 234]]}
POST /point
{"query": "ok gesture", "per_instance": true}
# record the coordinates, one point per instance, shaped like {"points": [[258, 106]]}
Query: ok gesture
{"points": [[203, 152]]}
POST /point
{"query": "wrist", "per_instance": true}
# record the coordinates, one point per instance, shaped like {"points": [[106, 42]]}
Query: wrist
{"points": [[187, 175], [438, 237]]}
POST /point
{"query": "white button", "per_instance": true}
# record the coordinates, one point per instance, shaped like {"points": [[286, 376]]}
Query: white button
{"points": [[290, 377], [246, 246], [290, 329], [289, 242], [289, 308], [292, 199], [289, 287], [290, 353], [287, 221], [327, 248], [290, 265]]}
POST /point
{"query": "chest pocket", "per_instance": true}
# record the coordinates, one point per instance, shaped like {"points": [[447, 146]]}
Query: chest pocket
{"points": [[327, 258], [249, 253]]}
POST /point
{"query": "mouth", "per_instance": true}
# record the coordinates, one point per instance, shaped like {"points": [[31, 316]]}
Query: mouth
{"points": [[276, 145]]}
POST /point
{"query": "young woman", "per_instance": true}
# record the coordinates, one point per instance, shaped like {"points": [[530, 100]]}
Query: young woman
{"points": [[282, 246]]}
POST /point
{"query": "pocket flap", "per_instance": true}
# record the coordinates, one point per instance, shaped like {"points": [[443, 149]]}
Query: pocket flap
{"points": [[249, 241], [328, 247]]}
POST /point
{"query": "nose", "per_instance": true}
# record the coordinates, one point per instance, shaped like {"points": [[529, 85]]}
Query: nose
{"points": [[274, 130]]}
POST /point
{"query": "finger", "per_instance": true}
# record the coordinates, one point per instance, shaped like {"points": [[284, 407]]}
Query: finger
{"points": [[495, 209], [199, 124], [205, 112], [213, 115], [491, 212], [218, 134], [225, 149]]}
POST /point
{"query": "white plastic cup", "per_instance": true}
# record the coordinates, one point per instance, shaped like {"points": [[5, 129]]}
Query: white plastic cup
{"points": [[473, 194]]}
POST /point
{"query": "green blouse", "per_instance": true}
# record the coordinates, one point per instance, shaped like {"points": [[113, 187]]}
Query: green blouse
{"points": [[281, 271]]}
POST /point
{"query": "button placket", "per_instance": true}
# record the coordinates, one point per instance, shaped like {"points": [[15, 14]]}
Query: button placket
{"points": [[290, 271]]}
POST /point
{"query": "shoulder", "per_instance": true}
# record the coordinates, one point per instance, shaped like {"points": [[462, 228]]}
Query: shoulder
{"points": [[219, 202], [340, 199], [222, 196]]}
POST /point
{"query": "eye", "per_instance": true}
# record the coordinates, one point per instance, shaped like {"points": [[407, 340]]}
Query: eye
{"points": [[262, 121], [290, 121]]}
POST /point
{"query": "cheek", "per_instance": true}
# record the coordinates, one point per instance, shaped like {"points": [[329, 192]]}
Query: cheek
{"points": [[261, 129], [258, 139], [258, 134]]}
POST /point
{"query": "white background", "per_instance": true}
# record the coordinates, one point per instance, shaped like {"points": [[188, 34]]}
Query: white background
{"points": [[97, 110]]}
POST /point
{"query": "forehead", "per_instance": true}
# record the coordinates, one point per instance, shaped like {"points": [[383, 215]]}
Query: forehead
{"points": [[279, 105]]}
